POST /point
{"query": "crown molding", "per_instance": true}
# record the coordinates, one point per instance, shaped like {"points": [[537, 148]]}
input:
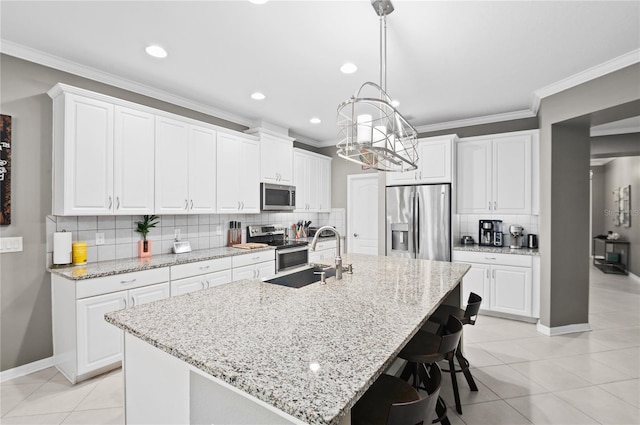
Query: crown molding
{"points": [[592, 73], [32, 55], [308, 141], [487, 119]]}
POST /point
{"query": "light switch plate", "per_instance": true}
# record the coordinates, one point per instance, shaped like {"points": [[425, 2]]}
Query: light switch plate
{"points": [[99, 238], [11, 244]]}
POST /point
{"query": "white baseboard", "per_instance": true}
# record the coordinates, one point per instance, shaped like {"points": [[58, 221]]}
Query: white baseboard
{"points": [[561, 330], [26, 369]]}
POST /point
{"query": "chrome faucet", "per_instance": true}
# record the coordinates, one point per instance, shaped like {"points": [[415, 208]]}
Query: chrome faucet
{"points": [[338, 258]]}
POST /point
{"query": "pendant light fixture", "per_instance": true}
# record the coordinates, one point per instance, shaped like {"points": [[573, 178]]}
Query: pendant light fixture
{"points": [[374, 134]]}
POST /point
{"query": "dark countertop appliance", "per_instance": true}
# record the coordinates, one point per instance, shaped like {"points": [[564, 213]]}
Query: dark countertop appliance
{"points": [[490, 233], [290, 253]]}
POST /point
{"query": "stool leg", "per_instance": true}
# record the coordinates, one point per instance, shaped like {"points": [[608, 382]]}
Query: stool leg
{"points": [[441, 413], [454, 382], [464, 365], [406, 372]]}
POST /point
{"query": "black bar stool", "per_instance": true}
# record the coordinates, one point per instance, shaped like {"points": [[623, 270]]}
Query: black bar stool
{"points": [[467, 317], [426, 348], [393, 401]]}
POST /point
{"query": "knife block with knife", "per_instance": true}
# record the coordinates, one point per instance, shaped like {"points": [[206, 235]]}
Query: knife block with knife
{"points": [[234, 234]]}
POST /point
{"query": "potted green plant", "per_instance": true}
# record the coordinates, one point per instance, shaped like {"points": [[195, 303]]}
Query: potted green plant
{"points": [[144, 226]]}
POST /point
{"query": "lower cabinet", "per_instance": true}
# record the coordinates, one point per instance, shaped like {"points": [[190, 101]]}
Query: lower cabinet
{"points": [[254, 266], [504, 281], [191, 277], [325, 250], [84, 344]]}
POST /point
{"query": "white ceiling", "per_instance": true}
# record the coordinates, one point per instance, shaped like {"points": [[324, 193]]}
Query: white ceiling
{"points": [[447, 61]]}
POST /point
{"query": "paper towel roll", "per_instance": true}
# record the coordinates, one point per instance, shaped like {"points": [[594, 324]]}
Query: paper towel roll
{"points": [[62, 248]]}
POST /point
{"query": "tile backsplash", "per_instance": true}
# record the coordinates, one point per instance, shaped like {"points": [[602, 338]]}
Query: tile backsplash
{"points": [[467, 224], [202, 231]]}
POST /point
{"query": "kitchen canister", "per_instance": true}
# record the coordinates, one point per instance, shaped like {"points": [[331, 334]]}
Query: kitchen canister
{"points": [[79, 252], [62, 247]]}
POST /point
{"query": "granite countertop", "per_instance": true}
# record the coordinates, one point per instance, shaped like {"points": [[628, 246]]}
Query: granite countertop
{"points": [[113, 267], [262, 338], [496, 249]]}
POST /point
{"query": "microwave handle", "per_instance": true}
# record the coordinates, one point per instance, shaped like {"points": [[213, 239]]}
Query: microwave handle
{"points": [[292, 198]]}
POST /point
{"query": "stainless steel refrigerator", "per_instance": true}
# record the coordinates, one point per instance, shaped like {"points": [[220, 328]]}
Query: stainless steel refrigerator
{"points": [[419, 221]]}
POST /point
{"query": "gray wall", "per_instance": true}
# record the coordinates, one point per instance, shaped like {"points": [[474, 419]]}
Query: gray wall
{"points": [[564, 295], [615, 145], [25, 307], [620, 172], [597, 201]]}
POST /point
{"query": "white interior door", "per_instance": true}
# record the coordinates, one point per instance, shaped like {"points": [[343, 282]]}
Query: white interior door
{"points": [[362, 214]]}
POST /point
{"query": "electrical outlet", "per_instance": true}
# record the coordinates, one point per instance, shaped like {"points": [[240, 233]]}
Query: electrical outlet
{"points": [[99, 238], [176, 234]]}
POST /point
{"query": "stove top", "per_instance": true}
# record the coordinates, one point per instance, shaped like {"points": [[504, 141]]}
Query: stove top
{"points": [[273, 235]]}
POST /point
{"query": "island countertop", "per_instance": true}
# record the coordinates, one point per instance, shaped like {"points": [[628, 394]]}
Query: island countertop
{"points": [[311, 352]]}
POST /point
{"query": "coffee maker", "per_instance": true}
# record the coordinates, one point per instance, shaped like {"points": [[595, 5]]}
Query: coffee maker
{"points": [[490, 233], [517, 233]]}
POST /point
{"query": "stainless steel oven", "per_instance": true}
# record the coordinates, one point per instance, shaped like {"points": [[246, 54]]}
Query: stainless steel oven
{"points": [[290, 253], [276, 197]]}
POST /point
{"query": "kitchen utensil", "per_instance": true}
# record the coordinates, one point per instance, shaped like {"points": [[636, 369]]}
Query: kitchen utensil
{"points": [[532, 241]]}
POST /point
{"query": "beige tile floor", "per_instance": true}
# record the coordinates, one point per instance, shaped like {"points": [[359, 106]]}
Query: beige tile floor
{"points": [[523, 377]]}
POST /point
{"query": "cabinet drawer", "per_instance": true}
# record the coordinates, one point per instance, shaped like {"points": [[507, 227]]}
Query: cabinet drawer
{"points": [[120, 282], [321, 245], [255, 271], [253, 258], [492, 258], [201, 267]]}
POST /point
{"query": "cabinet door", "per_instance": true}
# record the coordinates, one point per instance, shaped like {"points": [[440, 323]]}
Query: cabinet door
{"points": [[474, 177], [218, 278], [435, 161], [301, 178], [324, 181], [88, 157], [265, 270], [185, 286], [511, 290], [276, 159], [202, 170], [477, 280], [172, 166], [134, 147], [147, 294], [249, 174], [313, 185], [99, 343], [512, 175], [400, 178], [227, 175], [245, 272]]}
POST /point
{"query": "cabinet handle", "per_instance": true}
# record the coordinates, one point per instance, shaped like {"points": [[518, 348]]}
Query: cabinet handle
{"points": [[133, 301], [489, 205], [487, 273], [493, 273], [203, 285], [110, 202], [127, 282], [255, 258], [495, 205], [117, 202], [258, 273], [242, 204], [186, 204], [124, 300], [490, 258], [191, 207], [204, 267], [238, 204]]}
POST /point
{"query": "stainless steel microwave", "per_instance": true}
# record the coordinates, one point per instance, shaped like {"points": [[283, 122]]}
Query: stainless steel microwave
{"points": [[276, 197]]}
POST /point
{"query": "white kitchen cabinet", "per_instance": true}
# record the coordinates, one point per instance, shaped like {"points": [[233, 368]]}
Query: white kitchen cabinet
{"points": [[103, 155], [494, 174], [325, 250], [184, 168], [84, 344], [276, 159], [504, 281], [199, 275], [435, 163], [312, 179], [238, 174], [257, 265], [134, 153]]}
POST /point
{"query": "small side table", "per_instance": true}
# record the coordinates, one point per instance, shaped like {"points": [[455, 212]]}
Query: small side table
{"points": [[614, 257]]}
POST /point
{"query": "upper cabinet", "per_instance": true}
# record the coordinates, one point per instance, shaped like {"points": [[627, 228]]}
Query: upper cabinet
{"points": [[238, 173], [185, 168], [435, 163], [494, 173], [276, 158], [312, 179], [103, 155]]}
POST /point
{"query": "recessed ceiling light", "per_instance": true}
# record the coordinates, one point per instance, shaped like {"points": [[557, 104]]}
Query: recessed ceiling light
{"points": [[395, 103], [315, 120], [348, 68], [156, 51], [258, 1], [257, 96]]}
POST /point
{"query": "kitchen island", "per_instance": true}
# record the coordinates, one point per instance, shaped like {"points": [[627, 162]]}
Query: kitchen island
{"points": [[254, 352]]}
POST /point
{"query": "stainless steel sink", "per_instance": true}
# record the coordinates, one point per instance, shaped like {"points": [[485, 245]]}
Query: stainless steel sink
{"points": [[304, 277]]}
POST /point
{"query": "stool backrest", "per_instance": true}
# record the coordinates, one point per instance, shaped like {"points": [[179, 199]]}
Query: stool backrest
{"points": [[473, 307], [419, 412], [450, 336]]}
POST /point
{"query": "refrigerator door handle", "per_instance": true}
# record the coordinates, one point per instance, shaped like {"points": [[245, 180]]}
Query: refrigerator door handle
{"points": [[417, 221], [413, 230]]}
